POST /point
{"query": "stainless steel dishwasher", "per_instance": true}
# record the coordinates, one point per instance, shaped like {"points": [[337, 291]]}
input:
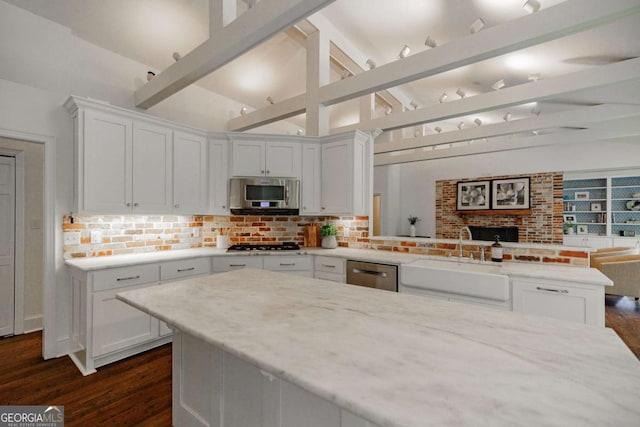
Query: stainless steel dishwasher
{"points": [[372, 275]]}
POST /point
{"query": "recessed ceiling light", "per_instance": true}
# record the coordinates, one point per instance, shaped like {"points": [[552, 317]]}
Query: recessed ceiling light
{"points": [[498, 85], [430, 42], [371, 64], [531, 6], [443, 97], [404, 52], [477, 25], [460, 93]]}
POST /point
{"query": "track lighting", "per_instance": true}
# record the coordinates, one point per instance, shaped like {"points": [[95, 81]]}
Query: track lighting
{"points": [[404, 52], [443, 97], [477, 25], [534, 77], [388, 111], [176, 56], [498, 85], [437, 129], [478, 122], [270, 100], [345, 74], [150, 75], [531, 6], [371, 64], [430, 42], [460, 125], [534, 132], [300, 132], [244, 110], [414, 105], [460, 93], [506, 117], [535, 111]]}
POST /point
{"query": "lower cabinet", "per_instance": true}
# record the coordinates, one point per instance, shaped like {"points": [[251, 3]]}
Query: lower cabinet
{"points": [[213, 388], [300, 265], [330, 268], [559, 300]]}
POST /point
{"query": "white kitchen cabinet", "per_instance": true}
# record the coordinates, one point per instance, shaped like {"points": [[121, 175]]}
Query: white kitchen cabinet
{"points": [[189, 173], [266, 158], [626, 242], [594, 242], [330, 268], [559, 300], [311, 180], [301, 265], [150, 168], [236, 262], [346, 175], [218, 176]]}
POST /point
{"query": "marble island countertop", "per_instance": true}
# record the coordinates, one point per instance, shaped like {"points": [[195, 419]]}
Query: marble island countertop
{"points": [[399, 361]]}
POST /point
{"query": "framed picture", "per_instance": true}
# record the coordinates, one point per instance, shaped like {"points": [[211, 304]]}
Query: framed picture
{"points": [[582, 229], [596, 207], [568, 218], [510, 193], [473, 195], [581, 195]]}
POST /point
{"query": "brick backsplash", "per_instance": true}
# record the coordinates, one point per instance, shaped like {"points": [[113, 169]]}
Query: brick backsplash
{"points": [[543, 225], [128, 234]]}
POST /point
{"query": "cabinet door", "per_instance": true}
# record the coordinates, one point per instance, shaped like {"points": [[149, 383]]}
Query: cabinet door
{"points": [[151, 171], [337, 178], [311, 179], [105, 150], [189, 173], [218, 176], [282, 159], [559, 301], [117, 325], [248, 158]]}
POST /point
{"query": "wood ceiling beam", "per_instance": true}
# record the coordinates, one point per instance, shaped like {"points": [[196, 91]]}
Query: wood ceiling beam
{"points": [[272, 113], [573, 118], [567, 18], [265, 19], [536, 91], [505, 143]]}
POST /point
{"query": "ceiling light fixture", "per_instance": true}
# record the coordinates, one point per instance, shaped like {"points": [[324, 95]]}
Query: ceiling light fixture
{"points": [[345, 74], [460, 125], [437, 129], [477, 25], [498, 85], [443, 97], [506, 117], [414, 105], [244, 110], [300, 132], [478, 122], [535, 111], [388, 111], [460, 93], [430, 42], [534, 77], [534, 132], [270, 100], [404, 52], [150, 75], [371, 64], [176, 56], [531, 6]]}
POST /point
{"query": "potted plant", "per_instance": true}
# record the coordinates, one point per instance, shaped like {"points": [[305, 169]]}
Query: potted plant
{"points": [[328, 233], [412, 225]]}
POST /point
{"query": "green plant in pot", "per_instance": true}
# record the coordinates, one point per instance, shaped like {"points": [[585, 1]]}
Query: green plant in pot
{"points": [[328, 233], [412, 225]]}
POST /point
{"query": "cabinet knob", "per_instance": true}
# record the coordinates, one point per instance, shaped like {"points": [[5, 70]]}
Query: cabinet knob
{"points": [[128, 204], [304, 207], [322, 208], [261, 171], [224, 207], [135, 205], [268, 172]]}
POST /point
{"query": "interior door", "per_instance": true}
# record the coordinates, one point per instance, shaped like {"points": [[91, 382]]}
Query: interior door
{"points": [[7, 243]]}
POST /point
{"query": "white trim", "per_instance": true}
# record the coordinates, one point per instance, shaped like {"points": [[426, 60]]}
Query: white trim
{"points": [[32, 324], [49, 334]]}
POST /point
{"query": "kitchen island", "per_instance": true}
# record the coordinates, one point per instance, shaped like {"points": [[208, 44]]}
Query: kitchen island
{"points": [[253, 347]]}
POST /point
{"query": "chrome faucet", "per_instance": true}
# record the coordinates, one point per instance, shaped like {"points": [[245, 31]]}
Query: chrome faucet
{"points": [[460, 238]]}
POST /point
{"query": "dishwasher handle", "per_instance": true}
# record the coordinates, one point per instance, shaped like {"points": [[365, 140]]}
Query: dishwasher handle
{"points": [[371, 272]]}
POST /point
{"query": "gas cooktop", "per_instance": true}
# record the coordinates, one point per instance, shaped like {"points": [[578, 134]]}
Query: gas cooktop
{"points": [[285, 246]]}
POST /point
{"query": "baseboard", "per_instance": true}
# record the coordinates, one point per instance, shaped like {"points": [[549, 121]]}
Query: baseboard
{"points": [[63, 346], [32, 323]]}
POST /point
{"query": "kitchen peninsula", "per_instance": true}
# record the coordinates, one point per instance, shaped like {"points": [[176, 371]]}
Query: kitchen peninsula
{"points": [[253, 347]]}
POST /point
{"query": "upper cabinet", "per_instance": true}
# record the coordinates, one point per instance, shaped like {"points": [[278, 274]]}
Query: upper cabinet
{"points": [[311, 180], [130, 163], [218, 176], [266, 158]]}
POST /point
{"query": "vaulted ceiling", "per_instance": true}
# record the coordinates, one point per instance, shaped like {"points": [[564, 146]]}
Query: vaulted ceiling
{"points": [[149, 31]]}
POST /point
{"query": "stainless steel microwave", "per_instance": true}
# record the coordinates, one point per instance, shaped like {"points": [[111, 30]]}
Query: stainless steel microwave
{"points": [[271, 196]]}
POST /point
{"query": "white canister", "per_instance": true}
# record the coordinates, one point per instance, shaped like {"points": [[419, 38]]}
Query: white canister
{"points": [[222, 242]]}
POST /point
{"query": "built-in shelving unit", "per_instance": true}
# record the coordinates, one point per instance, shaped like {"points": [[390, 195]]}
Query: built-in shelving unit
{"points": [[604, 204]]}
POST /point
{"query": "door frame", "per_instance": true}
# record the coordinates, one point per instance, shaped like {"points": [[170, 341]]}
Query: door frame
{"points": [[49, 321], [18, 243]]}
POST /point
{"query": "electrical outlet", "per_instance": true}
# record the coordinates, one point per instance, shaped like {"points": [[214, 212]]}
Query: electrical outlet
{"points": [[71, 238], [96, 236]]}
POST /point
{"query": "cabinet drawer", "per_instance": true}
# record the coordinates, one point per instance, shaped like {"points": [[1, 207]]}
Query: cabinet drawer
{"points": [[126, 276], [184, 268], [288, 263], [329, 264], [334, 277], [228, 263]]}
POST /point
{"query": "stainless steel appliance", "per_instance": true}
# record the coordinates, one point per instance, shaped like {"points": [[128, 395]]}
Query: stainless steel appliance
{"points": [[271, 196], [285, 246], [372, 275]]}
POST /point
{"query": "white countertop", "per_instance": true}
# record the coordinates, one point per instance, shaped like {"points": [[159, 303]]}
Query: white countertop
{"points": [[398, 360]]}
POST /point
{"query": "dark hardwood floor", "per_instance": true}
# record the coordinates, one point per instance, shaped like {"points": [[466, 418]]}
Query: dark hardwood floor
{"points": [[137, 391], [132, 392]]}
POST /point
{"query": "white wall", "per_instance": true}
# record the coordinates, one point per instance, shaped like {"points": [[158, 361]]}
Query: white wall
{"points": [[41, 64], [416, 184]]}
